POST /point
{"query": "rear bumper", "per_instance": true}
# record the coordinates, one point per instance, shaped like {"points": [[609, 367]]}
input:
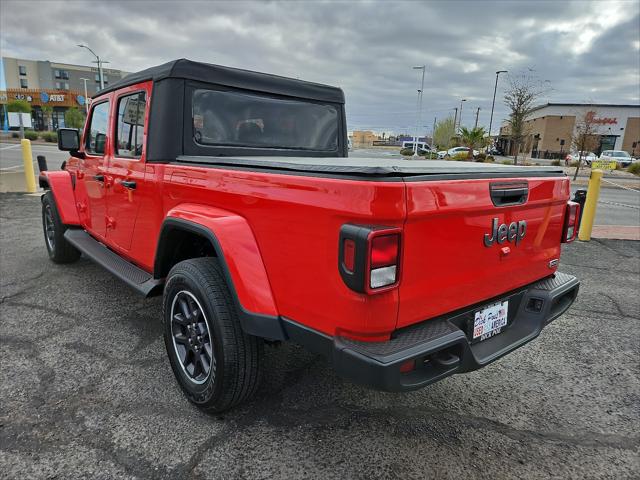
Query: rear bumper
{"points": [[441, 347]]}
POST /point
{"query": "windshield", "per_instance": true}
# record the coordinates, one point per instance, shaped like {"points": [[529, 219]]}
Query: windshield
{"points": [[252, 120], [620, 154]]}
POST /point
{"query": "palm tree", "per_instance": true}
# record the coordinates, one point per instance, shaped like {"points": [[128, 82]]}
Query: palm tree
{"points": [[472, 138]]}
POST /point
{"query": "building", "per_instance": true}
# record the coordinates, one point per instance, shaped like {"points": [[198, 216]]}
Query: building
{"points": [[362, 139], [59, 85], [550, 129]]}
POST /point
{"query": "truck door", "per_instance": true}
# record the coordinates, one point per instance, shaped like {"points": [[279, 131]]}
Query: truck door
{"points": [[126, 167], [91, 185]]}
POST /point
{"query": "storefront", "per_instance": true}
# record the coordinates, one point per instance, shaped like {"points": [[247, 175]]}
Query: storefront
{"points": [[47, 106], [551, 128]]}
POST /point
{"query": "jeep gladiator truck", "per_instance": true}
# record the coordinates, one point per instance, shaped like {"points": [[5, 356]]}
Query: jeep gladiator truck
{"points": [[230, 192]]}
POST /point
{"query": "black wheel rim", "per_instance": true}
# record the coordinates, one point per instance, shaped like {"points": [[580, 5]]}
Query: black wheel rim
{"points": [[191, 337], [49, 228]]}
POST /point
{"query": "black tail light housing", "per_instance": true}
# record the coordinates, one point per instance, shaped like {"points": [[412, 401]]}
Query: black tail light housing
{"points": [[369, 257]]}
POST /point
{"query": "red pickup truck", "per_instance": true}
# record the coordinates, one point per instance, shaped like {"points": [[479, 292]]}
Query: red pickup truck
{"points": [[230, 192]]}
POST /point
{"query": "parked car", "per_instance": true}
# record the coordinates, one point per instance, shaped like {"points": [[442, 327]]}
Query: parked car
{"points": [[620, 156], [587, 157], [455, 150], [231, 194]]}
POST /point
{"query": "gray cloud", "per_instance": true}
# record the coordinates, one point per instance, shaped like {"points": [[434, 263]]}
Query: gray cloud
{"points": [[588, 51]]}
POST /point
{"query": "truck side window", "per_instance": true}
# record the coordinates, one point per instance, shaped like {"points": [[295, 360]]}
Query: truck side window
{"points": [[97, 132], [130, 126]]}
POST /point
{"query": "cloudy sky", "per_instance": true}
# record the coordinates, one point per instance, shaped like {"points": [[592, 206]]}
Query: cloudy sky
{"points": [[585, 51]]}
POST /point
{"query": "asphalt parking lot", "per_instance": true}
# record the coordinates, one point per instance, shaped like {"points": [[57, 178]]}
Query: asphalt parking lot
{"points": [[86, 390]]}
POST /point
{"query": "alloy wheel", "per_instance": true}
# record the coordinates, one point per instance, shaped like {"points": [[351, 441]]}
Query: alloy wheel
{"points": [[49, 228], [192, 337]]}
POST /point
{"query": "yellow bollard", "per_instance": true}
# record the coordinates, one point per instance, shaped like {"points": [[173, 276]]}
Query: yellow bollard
{"points": [[590, 204], [27, 159]]}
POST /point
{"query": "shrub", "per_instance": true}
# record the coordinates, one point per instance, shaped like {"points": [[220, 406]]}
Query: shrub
{"points": [[481, 157], [555, 163], [30, 135], [15, 135], [574, 163], [634, 168], [431, 156], [461, 156], [507, 162], [51, 137], [489, 159], [407, 152]]}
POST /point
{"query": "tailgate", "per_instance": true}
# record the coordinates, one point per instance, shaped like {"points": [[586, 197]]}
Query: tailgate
{"points": [[446, 264]]}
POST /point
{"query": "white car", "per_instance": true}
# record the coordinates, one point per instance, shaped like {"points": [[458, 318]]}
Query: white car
{"points": [[455, 150], [620, 156], [587, 157]]}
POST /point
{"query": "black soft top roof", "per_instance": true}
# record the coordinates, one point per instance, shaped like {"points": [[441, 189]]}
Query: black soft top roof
{"points": [[231, 77]]}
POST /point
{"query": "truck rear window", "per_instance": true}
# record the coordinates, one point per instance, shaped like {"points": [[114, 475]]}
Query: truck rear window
{"points": [[249, 120]]}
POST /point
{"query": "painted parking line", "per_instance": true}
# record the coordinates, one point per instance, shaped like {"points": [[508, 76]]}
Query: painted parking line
{"points": [[10, 146]]}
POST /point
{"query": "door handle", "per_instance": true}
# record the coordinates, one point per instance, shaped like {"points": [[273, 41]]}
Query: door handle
{"points": [[130, 184], [99, 178]]}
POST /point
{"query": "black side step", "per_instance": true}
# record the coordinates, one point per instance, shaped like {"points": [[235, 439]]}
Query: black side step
{"points": [[132, 275]]}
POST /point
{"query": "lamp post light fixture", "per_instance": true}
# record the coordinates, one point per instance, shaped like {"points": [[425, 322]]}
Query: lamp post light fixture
{"points": [[419, 120], [99, 62], [86, 96], [493, 104]]}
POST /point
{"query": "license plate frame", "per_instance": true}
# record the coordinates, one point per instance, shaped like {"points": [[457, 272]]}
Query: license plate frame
{"points": [[489, 321]]}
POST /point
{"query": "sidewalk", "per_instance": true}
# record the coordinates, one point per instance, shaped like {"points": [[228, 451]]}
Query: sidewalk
{"points": [[616, 232]]}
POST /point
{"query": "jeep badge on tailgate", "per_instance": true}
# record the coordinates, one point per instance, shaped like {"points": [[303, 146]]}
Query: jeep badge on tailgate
{"points": [[512, 233]]}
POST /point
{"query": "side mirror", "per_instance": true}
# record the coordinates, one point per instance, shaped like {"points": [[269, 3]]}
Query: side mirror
{"points": [[101, 139], [68, 139]]}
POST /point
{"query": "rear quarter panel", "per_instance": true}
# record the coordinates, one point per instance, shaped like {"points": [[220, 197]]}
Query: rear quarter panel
{"points": [[296, 222]]}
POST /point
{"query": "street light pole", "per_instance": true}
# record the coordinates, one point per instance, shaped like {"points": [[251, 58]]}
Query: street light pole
{"points": [[455, 120], [477, 114], [495, 89], [415, 143], [460, 119], [86, 96], [99, 62]]}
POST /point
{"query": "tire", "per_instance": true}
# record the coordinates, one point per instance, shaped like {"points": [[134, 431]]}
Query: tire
{"points": [[233, 356], [60, 250]]}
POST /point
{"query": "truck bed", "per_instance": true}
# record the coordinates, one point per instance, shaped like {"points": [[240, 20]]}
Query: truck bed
{"points": [[376, 168]]}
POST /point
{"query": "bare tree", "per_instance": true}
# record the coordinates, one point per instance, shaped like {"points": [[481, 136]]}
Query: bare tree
{"points": [[523, 92], [443, 133], [585, 137]]}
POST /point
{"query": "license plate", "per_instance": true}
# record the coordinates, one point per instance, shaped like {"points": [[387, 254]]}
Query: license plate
{"points": [[490, 320]]}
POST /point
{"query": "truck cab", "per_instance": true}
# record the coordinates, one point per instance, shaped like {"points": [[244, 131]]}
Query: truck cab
{"points": [[230, 193]]}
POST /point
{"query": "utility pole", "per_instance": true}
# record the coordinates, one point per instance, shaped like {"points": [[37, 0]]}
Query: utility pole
{"points": [[477, 113], [455, 120], [415, 143], [433, 130], [495, 89]]}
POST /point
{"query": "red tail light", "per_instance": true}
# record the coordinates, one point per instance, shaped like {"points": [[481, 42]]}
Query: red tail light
{"points": [[383, 262], [571, 222], [369, 257]]}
